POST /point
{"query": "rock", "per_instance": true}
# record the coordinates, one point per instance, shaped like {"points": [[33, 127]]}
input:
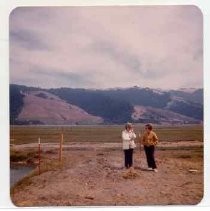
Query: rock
{"points": [[193, 170], [89, 197], [100, 154]]}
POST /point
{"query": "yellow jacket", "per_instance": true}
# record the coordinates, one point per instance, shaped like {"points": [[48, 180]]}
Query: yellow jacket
{"points": [[149, 139]]}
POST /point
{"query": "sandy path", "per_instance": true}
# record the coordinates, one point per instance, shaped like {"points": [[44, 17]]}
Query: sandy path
{"points": [[94, 176], [97, 145]]}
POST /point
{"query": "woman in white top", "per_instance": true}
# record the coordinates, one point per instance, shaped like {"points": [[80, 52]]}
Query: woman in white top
{"points": [[128, 137]]}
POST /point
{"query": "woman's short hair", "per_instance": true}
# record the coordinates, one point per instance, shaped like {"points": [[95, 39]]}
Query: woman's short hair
{"points": [[149, 126], [128, 125]]}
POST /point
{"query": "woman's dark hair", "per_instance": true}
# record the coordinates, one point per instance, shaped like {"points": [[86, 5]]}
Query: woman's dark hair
{"points": [[149, 126]]}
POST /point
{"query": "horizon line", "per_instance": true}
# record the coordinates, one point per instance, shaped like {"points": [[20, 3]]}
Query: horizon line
{"points": [[135, 86]]}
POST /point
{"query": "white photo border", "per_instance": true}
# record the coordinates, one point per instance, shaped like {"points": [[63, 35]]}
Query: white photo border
{"points": [[6, 6]]}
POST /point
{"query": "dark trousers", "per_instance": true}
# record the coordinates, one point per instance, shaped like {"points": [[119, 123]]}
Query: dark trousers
{"points": [[128, 157], [149, 151]]}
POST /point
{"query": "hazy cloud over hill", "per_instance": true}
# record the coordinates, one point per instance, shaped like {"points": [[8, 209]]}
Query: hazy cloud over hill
{"points": [[101, 47]]}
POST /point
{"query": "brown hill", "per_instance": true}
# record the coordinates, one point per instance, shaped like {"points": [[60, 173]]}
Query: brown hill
{"points": [[147, 113], [49, 109]]}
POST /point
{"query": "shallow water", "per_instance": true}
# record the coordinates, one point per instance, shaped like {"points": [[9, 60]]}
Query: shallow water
{"points": [[17, 173]]}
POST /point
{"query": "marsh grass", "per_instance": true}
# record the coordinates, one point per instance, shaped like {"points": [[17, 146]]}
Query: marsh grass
{"points": [[104, 134], [16, 156]]}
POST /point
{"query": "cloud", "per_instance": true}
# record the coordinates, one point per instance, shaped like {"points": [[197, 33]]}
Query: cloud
{"points": [[102, 47], [116, 54], [28, 40], [69, 79]]}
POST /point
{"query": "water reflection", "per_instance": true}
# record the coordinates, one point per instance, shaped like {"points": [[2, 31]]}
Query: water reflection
{"points": [[18, 172]]}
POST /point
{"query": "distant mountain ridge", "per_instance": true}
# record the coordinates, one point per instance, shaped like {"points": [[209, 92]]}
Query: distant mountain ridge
{"points": [[31, 105]]}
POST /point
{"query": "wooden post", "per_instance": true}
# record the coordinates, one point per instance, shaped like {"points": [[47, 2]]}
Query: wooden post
{"points": [[39, 154], [61, 148]]}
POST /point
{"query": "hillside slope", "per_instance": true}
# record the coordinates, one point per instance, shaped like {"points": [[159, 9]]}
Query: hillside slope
{"points": [[30, 105], [157, 115], [45, 108]]}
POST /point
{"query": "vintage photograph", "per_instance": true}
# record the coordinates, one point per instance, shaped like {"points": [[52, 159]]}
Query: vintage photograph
{"points": [[106, 105]]}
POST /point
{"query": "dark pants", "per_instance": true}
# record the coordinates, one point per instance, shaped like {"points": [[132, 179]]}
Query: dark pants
{"points": [[128, 157], [149, 151]]}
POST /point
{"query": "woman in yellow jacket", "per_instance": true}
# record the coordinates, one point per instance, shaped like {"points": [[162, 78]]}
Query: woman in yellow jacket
{"points": [[149, 140]]}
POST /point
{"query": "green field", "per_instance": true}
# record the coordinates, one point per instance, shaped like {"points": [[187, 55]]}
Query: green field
{"points": [[30, 134]]}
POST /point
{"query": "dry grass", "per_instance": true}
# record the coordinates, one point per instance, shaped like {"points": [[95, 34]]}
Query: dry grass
{"points": [[16, 156], [104, 134]]}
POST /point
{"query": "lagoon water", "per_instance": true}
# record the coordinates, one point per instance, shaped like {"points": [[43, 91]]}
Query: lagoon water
{"points": [[17, 173]]}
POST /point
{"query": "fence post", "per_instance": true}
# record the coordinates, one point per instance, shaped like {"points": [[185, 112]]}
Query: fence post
{"points": [[39, 154], [61, 148]]}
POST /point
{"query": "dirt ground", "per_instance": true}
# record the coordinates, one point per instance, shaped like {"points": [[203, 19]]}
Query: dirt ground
{"points": [[94, 175]]}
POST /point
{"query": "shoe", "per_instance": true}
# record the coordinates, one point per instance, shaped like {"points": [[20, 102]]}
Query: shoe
{"points": [[155, 170], [149, 169]]}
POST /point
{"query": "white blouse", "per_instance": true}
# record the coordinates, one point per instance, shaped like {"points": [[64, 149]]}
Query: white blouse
{"points": [[127, 136]]}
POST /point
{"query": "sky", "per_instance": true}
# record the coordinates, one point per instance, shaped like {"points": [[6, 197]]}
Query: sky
{"points": [[107, 47]]}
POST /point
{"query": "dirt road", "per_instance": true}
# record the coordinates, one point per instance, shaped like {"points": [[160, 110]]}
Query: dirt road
{"points": [[93, 175]]}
